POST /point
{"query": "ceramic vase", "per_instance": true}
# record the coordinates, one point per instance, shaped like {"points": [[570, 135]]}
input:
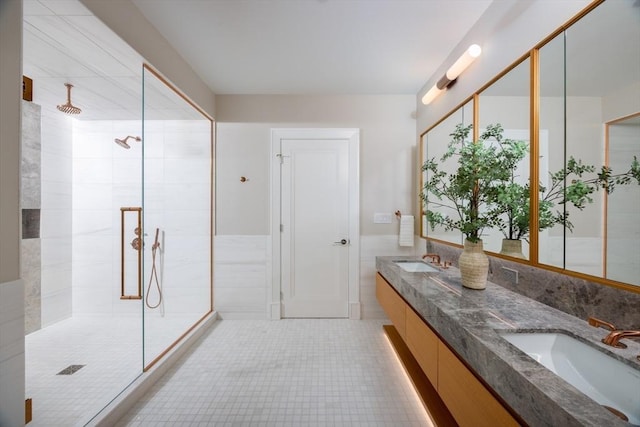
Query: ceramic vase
{"points": [[512, 248], [474, 265]]}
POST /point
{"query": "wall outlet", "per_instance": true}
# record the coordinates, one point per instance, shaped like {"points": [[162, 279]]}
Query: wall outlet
{"points": [[511, 274], [382, 218]]}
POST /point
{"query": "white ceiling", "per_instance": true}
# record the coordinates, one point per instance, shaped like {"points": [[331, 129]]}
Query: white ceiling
{"points": [[244, 47], [63, 42], [290, 47], [313, 46]]}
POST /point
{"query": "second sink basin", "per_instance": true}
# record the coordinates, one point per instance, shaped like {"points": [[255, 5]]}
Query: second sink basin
{"points": [[604, 379], [416, 266]]}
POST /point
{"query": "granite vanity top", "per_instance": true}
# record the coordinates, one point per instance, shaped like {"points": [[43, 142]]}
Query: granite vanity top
{"points": [[470, 320]]}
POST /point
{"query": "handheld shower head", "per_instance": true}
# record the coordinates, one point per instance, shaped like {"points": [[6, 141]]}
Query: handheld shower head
{"points": [[123, 142]]}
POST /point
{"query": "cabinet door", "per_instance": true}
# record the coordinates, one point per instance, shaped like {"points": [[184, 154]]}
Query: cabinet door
{"points": [[470, 403], [423, 343], [392, 304]]}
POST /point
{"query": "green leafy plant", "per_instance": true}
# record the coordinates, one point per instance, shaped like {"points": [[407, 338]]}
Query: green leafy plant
{"points": [[574, 184], [484, 191], [471, 190]]}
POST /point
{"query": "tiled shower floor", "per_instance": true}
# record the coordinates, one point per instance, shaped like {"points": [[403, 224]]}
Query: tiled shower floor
{"points": [[110, 350], [284, 373]]}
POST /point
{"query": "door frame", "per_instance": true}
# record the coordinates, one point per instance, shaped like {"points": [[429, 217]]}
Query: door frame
{"points": [[352, 135]]}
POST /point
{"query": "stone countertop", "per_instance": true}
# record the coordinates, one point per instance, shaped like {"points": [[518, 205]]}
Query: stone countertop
{"points": [[469, 321]]}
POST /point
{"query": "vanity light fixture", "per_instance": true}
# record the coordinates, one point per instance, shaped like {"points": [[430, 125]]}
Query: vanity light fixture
{"points": [[452, 73]]}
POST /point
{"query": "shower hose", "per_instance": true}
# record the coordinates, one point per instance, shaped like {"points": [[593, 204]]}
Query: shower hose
{"points": [[154, 274]]}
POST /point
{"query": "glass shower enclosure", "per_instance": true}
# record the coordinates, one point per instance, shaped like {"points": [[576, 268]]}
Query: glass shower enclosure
{"points": [[177, 205]]}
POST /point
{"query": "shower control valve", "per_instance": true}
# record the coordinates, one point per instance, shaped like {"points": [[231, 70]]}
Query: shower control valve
{"points": [[136, 243]]}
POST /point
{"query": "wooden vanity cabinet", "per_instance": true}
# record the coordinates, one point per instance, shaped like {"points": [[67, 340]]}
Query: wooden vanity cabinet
{"points": [[465, 396], [423, 344], [391, 303], [470, 403]]}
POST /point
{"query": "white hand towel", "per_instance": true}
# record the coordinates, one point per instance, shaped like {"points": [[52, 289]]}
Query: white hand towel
{"points": [[406, 230]]}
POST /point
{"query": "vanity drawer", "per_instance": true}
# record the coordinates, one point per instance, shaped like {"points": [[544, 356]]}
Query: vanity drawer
{"points": [[423, 343], [392, 304], [470, 403]]}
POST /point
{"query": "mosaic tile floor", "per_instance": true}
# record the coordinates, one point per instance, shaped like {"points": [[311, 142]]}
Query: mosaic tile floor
{"points": [[284, 373]]}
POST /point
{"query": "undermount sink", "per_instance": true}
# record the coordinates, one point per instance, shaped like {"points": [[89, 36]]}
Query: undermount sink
{"points": [[604, 379], [416, 266]]}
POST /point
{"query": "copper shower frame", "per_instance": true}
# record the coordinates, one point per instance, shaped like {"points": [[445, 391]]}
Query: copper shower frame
{"points": [[137, 248]]}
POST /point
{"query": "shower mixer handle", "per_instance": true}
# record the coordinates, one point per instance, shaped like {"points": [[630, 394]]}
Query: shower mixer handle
{"points": [[135, 243]]}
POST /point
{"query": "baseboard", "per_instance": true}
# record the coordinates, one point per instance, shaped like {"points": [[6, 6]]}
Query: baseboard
{"points": [[275, 311], [355, 311], [240, 315]]}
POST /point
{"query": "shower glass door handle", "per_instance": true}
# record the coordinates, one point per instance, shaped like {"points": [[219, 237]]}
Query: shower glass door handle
{"points": [[135, 244]]}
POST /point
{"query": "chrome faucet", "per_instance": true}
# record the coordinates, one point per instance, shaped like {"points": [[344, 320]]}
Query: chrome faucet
{"points": [[435, 258], [614, 337]]}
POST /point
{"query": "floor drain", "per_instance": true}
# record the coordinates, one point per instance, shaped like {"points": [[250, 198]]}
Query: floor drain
{"points": [[71, 369]]}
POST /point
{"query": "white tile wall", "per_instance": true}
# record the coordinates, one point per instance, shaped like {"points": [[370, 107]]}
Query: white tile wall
{"points": [[12, 363], [240, 276], [583, 254], [242, 273], [56, 217], [107, 177], [370, 247]]}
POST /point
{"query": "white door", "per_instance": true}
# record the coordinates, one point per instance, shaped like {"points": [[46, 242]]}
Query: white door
{"points": [[315, 225]]}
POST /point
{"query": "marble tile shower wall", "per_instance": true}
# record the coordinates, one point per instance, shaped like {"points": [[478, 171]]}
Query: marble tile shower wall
{"points": [[242, 274], [46, 191], [107, 177], [30, 205], [577, 297]]}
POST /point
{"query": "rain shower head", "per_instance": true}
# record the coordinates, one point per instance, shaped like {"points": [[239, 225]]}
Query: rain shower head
{"points": [[69, 108], [123, 142]]}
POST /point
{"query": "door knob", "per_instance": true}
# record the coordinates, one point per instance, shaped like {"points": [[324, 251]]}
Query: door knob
{"points": [[341, 242]]}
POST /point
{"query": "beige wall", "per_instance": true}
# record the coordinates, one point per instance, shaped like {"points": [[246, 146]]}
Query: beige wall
{"points": [[387, 154], [10, 95], [12, 387], [126, 20]]}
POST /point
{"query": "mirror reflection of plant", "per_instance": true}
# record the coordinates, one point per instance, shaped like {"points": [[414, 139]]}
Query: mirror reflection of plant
{"points": [[472, 189], [484, 191], [569, 185]]}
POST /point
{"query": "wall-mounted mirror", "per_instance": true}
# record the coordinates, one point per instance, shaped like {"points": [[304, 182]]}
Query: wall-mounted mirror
{"points": [[622, 232], [506, 102], [433, 145], [590, 76]]}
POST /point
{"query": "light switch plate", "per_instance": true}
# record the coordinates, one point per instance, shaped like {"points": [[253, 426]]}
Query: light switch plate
{"points": [[382, 218]]}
